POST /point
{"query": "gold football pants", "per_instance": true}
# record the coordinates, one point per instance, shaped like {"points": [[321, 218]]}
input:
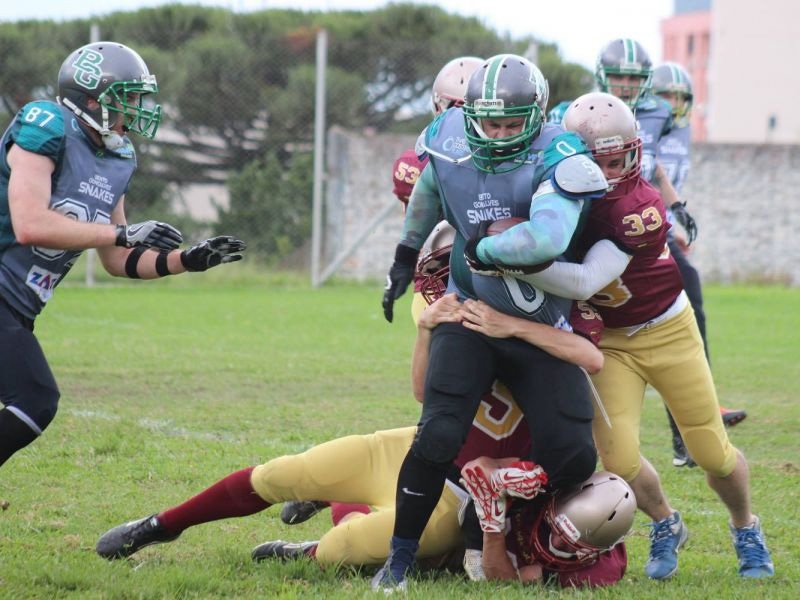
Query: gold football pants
{"points": [[669, 356], [357, 469]]}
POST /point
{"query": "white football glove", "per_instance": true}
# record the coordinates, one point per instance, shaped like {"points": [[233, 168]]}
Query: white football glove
{"points": [[524, 479], [490, 507]]}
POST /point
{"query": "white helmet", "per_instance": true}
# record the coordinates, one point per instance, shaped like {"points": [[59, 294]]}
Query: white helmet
{"points": [[450, 85], [590, 519], [608, 127]]}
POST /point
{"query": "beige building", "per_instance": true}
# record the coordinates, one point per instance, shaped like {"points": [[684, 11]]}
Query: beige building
{"points": [[741, 56]]}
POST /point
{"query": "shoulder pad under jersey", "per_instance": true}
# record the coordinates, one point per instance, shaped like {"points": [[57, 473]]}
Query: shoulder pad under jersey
{"points": [[578, 176]]}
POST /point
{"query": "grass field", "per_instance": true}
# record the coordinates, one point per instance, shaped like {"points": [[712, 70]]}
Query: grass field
{"points": [[168, 386]]}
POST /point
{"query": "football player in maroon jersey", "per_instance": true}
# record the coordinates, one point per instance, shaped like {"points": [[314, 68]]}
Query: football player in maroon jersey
{"points": [[650, 337], [573, 537]]}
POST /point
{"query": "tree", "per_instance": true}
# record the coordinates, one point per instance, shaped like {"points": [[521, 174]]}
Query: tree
{"points": [[269, 205]]}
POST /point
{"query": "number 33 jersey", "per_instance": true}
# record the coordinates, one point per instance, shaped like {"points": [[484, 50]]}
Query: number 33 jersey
{"points": [[634, 218]]}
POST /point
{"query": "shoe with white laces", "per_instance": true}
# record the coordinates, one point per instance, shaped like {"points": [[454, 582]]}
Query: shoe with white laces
{"points": [[300, 511], [751, 550], [666, 538], [129, 538], [283, 550]]}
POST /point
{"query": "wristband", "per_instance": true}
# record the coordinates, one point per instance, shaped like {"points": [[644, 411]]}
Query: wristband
{"points": [[121, 238]]}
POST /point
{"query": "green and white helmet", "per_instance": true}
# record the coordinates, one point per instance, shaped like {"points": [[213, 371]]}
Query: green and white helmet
{"points": [[119, 80], [671, 78], [624, 56], [504, 86]]}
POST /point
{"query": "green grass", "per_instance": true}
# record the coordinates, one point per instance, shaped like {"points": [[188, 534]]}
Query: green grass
{"points": [[168, 386]]}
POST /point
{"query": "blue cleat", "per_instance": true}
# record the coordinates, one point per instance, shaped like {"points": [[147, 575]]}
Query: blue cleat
{"points": [[751, 550], [666, 538]]}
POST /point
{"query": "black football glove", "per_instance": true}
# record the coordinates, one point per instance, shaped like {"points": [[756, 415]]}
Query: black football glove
{"points": [[686, 220], [153, 234], [400, 275], [476, 265], [212, 252]]}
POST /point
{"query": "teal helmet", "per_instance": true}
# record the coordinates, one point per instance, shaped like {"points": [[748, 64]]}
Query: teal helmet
{"points": [[504, 86]]}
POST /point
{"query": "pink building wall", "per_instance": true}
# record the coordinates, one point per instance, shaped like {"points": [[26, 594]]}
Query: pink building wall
{"points": [[686, 40]]}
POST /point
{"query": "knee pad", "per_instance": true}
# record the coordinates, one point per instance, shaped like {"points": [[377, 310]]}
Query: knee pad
{"points": [[439, 440]]}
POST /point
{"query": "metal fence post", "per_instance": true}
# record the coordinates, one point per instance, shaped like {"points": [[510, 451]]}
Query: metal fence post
{"points": [[319, 156]]}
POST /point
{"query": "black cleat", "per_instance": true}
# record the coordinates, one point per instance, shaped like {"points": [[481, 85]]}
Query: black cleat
{"points": [[283, 550], [732, 417], [299, 511], [124, 540]]}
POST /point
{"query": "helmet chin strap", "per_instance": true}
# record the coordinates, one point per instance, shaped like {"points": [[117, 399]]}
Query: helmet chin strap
{"points": [[556, 551], [111, 139]]}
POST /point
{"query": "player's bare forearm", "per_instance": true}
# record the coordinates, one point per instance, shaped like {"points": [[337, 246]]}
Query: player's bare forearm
{"points": [[496, 563], [565, 345], [446, 309]]}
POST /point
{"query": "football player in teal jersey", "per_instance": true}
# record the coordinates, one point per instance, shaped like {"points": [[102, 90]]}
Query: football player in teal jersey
{"points": [[65, 168], [486, 159]]}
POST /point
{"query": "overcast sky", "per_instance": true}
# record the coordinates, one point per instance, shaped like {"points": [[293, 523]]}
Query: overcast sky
{"points": [[579, 27]]}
